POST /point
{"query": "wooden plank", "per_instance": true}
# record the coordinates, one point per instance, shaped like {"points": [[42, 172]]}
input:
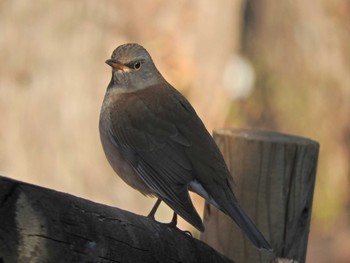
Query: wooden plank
{"points": [[275, 177]]}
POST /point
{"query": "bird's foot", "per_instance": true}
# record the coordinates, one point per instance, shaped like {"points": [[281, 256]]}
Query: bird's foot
{"points": [[173, 224], [175, 227]]}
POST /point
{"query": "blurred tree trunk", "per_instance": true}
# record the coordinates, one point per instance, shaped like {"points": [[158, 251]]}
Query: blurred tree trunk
{"points": [[218, 31], [302, 62]]}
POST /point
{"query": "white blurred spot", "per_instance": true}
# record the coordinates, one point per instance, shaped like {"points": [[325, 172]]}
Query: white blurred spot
{"points": [[238, 77]]}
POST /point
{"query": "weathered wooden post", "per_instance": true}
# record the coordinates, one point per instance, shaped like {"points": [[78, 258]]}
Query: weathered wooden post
{"points": [[275, 177]]}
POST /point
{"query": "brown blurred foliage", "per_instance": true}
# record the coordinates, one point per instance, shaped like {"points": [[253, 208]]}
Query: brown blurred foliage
{"points": [[53, 79]]}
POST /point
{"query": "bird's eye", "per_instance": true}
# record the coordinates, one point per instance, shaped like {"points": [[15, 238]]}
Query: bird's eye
{"points": [[137, 65]]}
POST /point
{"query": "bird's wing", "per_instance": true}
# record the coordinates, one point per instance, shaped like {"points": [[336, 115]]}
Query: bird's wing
{"points": [[161, 136], [146, 131]]}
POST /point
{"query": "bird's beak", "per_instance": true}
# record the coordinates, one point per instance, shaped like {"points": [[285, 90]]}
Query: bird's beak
{"points": [[116, 64]]}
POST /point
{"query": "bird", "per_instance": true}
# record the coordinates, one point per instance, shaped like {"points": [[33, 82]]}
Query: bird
{"points": [[155, 141]]}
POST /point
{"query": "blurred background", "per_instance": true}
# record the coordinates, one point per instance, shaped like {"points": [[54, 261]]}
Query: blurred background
{"points": [[262, 64]]}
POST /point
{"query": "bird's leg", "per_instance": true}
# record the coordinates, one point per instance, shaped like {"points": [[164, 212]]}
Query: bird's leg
{"points": [[154, 209], [173, 221], [151, 214]]}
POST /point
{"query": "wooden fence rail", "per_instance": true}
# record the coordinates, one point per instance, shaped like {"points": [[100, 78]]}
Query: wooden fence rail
{"points": [[43, 225]]}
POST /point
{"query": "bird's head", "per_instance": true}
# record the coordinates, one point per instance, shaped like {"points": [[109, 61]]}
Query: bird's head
{"points": [[132, 68]]}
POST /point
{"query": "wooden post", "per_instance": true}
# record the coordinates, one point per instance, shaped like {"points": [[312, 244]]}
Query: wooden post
{"points": [[42, 225], [275, 177]]}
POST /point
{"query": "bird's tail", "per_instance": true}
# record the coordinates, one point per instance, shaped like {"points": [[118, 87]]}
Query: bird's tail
{"points": [[225, 200], [234, 210]]}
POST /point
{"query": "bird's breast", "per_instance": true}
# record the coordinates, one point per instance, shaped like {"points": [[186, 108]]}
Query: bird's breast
{"points": [[114, 155]]}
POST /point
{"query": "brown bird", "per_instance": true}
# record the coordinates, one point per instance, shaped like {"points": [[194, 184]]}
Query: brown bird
{"points": [[156, 143]]}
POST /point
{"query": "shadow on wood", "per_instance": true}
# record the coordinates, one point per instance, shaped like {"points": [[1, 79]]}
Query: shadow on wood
{"points": [[275, 177], [42, 225]]}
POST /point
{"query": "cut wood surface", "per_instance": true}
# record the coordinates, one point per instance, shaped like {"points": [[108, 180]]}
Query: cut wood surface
{"points": [[43, 225], [275, 176]]}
